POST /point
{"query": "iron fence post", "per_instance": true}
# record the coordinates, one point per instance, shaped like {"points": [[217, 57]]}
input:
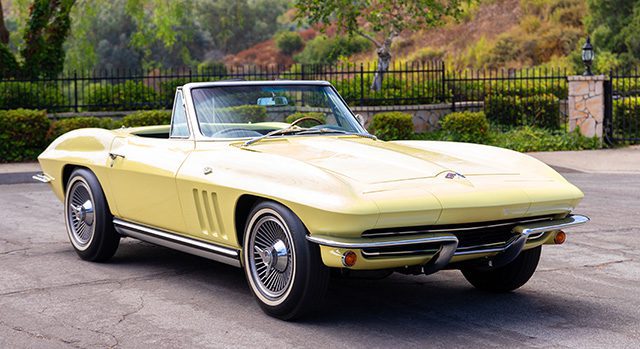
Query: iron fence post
{"points": [[361, 84], [75, 91]]}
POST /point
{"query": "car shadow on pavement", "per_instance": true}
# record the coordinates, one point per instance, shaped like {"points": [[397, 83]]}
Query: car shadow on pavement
{"points": [[419, 307]]}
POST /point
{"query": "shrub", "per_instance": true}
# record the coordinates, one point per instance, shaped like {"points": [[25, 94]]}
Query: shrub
{"points": [[147, 118], [295, 116], [22, 134], [392, 125], [626, 117], [62, 126], [465, 127], [526, 139], [542, 110], [325, 50], [130, 95], [32, 95], [289, 42], [246, 113]]}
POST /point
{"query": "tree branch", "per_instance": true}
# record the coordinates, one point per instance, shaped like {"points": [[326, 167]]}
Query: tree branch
{"points": [[370, 38]]}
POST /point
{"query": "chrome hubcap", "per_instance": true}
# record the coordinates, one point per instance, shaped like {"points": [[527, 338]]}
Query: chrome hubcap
{"points": [[271, 259], [80, 214]]}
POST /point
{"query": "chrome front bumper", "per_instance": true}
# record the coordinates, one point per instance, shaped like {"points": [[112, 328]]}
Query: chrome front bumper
{"points": [[443, 246]]}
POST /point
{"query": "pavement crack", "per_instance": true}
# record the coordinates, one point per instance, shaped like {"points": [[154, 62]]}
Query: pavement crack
{"points": [[100, 282], [124, 316]]}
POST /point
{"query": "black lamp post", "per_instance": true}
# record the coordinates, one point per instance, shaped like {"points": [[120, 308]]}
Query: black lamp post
{"points": [[587, 57]]}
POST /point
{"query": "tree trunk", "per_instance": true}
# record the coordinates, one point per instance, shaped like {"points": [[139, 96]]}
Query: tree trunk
{"points": [[4, 33], [384, 60]]}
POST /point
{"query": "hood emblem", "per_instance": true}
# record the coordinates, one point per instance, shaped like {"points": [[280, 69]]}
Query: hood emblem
{"points": [[452, 175]]}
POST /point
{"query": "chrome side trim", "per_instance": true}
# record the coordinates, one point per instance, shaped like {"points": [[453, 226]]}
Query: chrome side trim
{"points": [[359, 244], [178, 242], [43, 177]]}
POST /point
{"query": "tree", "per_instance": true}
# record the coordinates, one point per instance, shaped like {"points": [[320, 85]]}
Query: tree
{"points": [[614, 26], [46, 31], [4, 33], [379, 21]]}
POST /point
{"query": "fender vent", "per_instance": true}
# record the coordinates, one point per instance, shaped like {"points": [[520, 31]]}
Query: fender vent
{"points": [[208, 211]]}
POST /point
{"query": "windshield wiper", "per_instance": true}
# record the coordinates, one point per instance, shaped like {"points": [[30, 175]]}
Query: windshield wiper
{"points": [[333, 130], [290, 129]]}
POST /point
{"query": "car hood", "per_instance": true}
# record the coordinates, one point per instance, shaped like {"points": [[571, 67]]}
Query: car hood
{"points": [[369, 162]]}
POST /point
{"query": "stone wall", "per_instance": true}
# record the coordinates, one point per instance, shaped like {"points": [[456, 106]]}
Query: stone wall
{"points": [[586, 104], [425, 117]]}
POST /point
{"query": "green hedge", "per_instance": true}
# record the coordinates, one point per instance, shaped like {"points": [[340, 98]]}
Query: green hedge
{"points": [[626, 117], [465, 127], [22, 134], [147, 118], [62, 126], [392, 125], [130, 95], [28, 95], [542, 110]]}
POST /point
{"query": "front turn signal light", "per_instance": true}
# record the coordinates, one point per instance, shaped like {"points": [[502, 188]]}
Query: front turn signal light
{"points": [[349, 259], [560, 238]]}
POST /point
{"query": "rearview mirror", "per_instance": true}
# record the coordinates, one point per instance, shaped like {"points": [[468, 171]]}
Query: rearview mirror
{"points": [[273, 101]]}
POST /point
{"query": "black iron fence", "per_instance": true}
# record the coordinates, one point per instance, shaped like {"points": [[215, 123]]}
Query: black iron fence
{"points": [[114, 90], [534, 97], [622, 106], [509, 97]]}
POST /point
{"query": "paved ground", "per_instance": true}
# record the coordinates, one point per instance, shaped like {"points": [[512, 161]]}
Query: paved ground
{"points": [[585, 294]]}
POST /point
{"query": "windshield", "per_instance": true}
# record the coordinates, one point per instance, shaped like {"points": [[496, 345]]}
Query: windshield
{"points": [[256, 110]]}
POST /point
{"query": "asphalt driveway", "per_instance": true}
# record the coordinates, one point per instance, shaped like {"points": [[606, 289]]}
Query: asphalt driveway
{"points": [[585, 294]]}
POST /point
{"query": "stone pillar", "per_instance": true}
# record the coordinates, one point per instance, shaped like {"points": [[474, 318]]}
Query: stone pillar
{"points": [[586, 104]]}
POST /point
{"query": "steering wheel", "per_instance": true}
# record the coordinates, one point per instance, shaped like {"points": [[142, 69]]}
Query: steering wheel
{"points": [[307, 118], [239, 132]]}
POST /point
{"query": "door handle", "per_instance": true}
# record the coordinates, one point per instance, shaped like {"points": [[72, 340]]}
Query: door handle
{"points": [[114, 156]]}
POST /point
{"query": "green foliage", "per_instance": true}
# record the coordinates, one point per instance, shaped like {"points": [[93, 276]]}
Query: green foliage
{"points": [[381, 16], [29, 95], [525, 139], [465, 126], [528, 139], [47, 30], [299, 115], [326, 50], [22, 134], [129, 95], [8, 64], [392, 125], [614, 27], [246, 113], [147, 118], [212, 67], [62, 126], [289, 42], [538, 110], [626, 117], [406, 89]]}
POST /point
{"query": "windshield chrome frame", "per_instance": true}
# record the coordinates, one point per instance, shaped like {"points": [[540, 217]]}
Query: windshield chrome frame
{"points": [[193, 119]]}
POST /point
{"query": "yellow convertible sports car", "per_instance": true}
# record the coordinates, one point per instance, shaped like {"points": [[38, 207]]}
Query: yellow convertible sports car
{"points": [[281, 179]]}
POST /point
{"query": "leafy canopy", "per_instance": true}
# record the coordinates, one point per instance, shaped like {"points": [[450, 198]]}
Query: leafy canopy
{"points": [[389, 17]]}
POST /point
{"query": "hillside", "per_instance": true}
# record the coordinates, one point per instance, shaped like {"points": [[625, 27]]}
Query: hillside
{"points": [[491, 33]]}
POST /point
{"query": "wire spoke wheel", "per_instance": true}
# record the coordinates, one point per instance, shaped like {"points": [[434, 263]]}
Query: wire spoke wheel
{"points": [[80, 214], [270, 256]]}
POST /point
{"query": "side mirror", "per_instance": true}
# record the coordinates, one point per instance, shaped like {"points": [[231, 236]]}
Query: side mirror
{"points": [[360, 119]]}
